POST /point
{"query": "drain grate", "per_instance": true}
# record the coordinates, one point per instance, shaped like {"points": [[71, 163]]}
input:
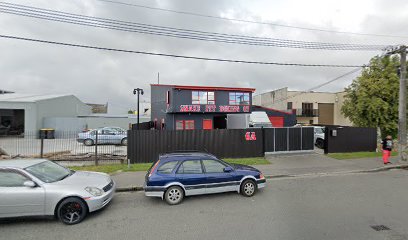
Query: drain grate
{"points": [[380, 227]]}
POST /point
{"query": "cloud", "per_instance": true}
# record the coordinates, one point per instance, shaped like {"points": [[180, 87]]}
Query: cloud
{"points": [[99, 77]]}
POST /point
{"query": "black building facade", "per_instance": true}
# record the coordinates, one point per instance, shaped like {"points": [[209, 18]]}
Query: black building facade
{"points": [[175, 107]]}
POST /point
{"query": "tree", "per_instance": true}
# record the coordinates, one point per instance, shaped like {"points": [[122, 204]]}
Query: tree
{"points": [[372, 99], [131, 111]]}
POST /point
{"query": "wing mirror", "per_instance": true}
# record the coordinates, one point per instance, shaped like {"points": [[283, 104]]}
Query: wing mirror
{"points": [[228, 169], [29, 184]]}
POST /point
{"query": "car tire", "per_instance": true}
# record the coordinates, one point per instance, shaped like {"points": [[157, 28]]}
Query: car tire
{"points": [[248, 188], [72, 211], [174, 195], [320, 143], [88, 142], [124, 142]]}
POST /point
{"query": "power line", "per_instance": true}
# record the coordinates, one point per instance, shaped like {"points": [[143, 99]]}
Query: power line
{"points": [[251, 21], [176, 56], [318, 86], [59, 16]]}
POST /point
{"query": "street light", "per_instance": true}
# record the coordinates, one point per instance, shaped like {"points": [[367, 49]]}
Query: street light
{"points": [[138, 91]]}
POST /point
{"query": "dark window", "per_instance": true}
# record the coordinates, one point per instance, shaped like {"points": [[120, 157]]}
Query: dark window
{"points": [[289, 106], [238, 98], [190, 167], [167, 167], [202, 97], [12, 179], [307, 109], [213, 166], [168, 97]]}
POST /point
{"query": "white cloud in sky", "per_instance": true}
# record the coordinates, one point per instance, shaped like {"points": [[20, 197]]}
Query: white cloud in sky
{"points": [[100, 77]]}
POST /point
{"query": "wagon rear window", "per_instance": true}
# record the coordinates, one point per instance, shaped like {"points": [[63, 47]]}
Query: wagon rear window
{"points": [[167, 167]]}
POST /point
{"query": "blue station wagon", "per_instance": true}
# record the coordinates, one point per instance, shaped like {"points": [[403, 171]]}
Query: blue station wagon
{"points": [[176, 175]]}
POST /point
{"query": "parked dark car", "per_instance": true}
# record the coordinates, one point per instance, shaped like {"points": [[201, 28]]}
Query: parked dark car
{"points": [[176, 175]]}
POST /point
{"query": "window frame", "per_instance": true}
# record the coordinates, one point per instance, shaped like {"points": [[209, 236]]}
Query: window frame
{"points": [[184, 123], [8, 170], [181, 165], [198, 100], [235, 101], [172, 170], [289, 104], [205, 170]]}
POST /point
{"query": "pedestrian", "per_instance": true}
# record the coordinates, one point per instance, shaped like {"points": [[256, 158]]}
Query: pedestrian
{"points": [[386, 149]]}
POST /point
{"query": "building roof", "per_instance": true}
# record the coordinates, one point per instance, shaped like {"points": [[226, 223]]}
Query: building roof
{"points": [[19, 97], [17, 163], [207, 88]]}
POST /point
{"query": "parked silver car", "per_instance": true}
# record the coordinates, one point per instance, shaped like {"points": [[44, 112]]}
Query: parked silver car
{"points": [[106, 135], [39, 187]]}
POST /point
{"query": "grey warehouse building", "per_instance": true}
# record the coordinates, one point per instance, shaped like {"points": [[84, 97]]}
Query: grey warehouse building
{"points": [[175, 107], [27, 113]]}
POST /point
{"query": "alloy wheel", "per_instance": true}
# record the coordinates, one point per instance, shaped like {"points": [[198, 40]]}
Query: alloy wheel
{"points": [[71, 212], [249, 188]]}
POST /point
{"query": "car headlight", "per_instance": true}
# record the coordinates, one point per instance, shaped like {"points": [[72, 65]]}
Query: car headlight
{"points": [[94, 191]]}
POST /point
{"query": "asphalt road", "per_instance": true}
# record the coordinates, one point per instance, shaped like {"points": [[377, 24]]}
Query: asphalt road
{"points": [[330, 207]]}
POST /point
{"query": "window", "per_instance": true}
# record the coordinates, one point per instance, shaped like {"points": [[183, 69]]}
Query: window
{"points": [[185, 125], [238, 98], [167, 167], [12, 179], [190, 167], [201, 97], [213, 166], [49, 171], [290, 106]]}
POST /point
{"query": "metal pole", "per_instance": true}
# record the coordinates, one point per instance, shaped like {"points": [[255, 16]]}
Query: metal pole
{"points": [[138, 110], [402, 107], [42, 147], [96, 148], [301, 138]]}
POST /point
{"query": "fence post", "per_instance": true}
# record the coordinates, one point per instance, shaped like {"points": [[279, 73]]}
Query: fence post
{"points": [[274, 139], [301, 138], [263, 140], [42, 147], [287, 139], [96, 148]]}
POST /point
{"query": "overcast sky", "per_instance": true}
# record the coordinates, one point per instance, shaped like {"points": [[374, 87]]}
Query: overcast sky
{"points": [[100, 77]]}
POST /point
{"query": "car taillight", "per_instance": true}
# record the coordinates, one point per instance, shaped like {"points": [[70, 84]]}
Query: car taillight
{"points": [[154, 167], [261, 176]]}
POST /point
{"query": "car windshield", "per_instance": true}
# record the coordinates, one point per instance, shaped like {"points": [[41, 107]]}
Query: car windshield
{"points": [[49, 171], [319, 130]]}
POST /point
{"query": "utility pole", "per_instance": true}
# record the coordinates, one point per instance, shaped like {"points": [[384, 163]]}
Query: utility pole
{"points": [[158, 77], [138, 91], [402, 106]]}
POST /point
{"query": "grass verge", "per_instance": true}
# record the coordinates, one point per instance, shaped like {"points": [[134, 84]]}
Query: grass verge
{"points": [[355, 155], [145, 166]]}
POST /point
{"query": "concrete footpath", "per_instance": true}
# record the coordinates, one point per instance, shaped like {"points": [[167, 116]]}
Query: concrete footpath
{"points": [[285, 166]]}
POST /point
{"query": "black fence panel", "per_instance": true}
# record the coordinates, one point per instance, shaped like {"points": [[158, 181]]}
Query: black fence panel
{"points": [[350, 139], [308, 138], [269, 137], [288, 139], [147, 145], [281, 139], [295, 139]]}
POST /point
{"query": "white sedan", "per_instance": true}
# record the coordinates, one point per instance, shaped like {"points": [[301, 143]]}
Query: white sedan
{"points": [[39, 187]]}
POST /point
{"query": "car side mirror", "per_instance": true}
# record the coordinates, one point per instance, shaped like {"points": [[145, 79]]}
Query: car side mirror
{"points": [[228, 169], [29, 184]]}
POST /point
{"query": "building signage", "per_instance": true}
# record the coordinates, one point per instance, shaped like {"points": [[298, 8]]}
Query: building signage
{"points": [[190, 108], [250, 136], [214, 108]]}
